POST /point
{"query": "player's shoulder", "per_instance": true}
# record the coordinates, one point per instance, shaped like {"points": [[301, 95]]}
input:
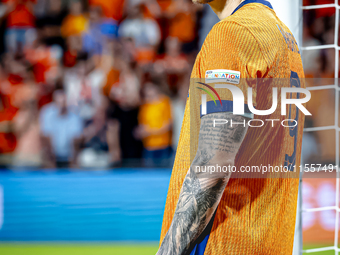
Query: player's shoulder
{"points": [[229, 36], [254, 15], [245, 23], [228, 26], [252, 26]]}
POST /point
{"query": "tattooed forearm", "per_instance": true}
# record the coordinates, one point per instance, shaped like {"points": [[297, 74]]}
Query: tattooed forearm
{"points": [[200, 195], [194, 210]]}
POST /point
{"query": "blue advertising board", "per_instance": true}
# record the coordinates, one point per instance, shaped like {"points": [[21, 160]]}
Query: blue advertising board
{"points": [[117, 205]]}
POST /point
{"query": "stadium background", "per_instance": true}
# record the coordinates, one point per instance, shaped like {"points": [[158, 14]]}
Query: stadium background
{"points": [[79, 83]]}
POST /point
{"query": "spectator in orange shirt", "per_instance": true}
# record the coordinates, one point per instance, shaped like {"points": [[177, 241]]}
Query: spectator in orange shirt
{"points": [[21, 31], [75, 23], [155, 124], [173, 64], [112, 80], [11, 97], [182, 14], [111, 8]]}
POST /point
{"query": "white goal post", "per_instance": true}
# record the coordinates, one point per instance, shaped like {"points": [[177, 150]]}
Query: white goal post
{"points": [[290, 13]]}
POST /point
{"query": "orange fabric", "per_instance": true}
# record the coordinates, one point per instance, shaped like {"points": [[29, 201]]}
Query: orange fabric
{"points": [[10, 98], [21, 16], [180, 21], [154, 116], [164, 4], [111, 8], [145, 55], [74, 25], [111, 81], [8, 143], [42, 62], [255, 215]]}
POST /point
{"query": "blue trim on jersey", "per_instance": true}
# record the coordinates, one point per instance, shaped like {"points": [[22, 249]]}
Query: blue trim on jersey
{"points": [[202, 240], [266, 3], [227, 106], [199, 249]]}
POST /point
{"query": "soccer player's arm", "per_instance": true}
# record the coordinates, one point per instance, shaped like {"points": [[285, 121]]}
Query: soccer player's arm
{"points": [[201, 191]]}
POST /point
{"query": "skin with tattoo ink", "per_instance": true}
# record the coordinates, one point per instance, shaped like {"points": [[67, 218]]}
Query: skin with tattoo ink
{"points": [[202, 192]]}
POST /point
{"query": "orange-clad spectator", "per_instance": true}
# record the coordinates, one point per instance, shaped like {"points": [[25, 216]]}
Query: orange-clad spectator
{"points": [[164, 4], [45, 62], [20, 31], [173, 63], [10, 87], [75, 23], [127, 95], [21, 15], [112, 80], [155, 123], [11, 97], [153, 9], [111, 8], [182, 15], [124, 85], [7, 138]]}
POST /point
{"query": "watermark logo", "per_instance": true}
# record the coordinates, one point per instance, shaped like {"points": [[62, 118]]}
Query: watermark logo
{"points": [[209, 93], [239, 99]]}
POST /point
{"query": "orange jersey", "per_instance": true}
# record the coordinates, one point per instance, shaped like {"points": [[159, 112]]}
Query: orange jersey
{"points": [[154, 116], [255, 215], [111, 8]]}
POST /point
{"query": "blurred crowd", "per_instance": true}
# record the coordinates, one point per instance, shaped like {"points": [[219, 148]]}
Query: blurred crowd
{"points": [[103, 83], [320, 68], [98, 83]]}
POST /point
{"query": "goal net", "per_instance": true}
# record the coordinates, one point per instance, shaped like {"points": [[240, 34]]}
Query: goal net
{"points": [[319, 41], [315, 25]]}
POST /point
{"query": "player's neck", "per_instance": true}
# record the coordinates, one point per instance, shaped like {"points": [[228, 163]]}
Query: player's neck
{"points": [[224, 8]]}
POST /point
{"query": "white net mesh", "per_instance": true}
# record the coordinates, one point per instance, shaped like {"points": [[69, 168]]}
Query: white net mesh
{"points": [[334, 127]]}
